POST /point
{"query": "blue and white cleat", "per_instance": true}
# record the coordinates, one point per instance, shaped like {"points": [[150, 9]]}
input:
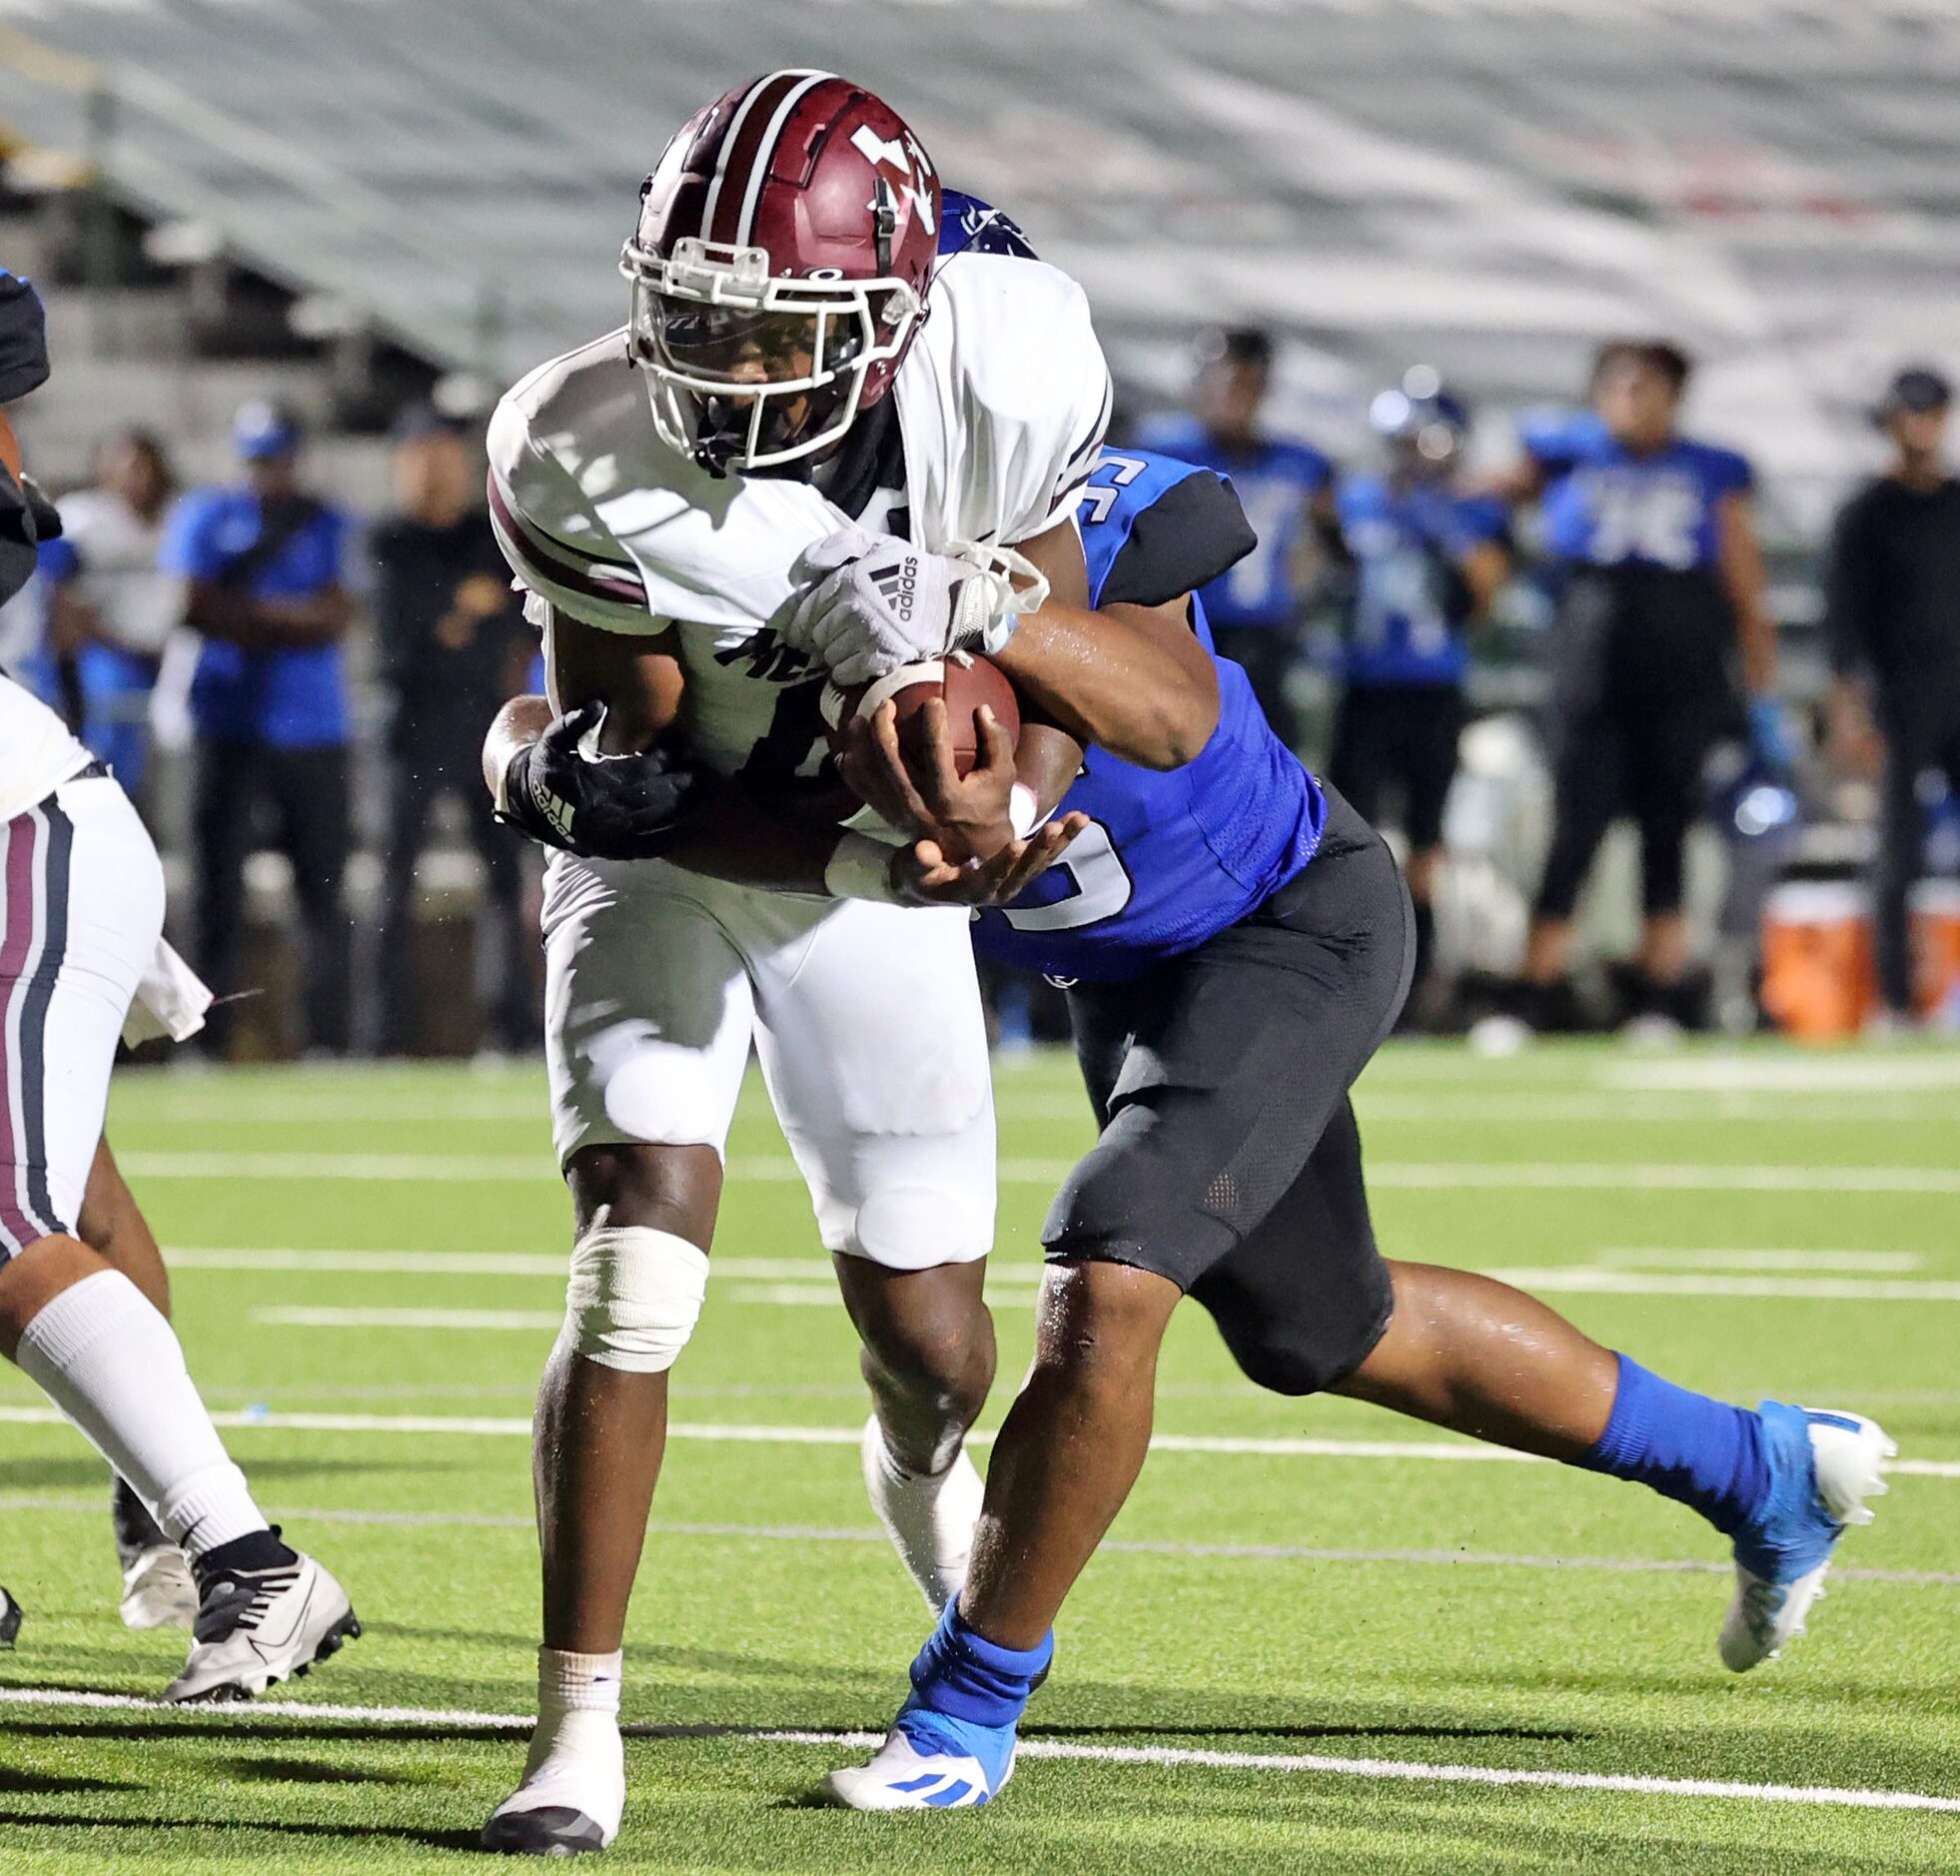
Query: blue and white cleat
{"points": [[1823, 1467], [927, 1763]]}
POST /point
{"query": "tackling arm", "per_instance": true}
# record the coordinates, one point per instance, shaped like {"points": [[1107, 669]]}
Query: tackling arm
{"points": [[1131, 680]]}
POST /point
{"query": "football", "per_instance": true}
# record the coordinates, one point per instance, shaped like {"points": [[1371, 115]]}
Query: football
{"points": [[965, 685]]}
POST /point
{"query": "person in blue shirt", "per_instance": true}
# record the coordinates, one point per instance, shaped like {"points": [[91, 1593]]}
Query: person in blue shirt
{"points": [[1256, 605], [1429, 557], [264, 566], [1239, 943], [1661, 608]]}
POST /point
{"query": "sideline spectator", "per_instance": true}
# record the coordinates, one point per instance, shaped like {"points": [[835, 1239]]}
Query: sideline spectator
{"points": [[1661, 583], [455, 647], [1893, 617], [264, 569], [1257, 609], [1430, 558], [110, 609]]}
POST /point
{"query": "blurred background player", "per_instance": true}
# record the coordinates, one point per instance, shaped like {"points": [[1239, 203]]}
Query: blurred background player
{"points": [[81, 927], [264, 566], [1257, 609], [1428, 559], [1893, 615], [454, 647], [1660, 586], [110, 609]]}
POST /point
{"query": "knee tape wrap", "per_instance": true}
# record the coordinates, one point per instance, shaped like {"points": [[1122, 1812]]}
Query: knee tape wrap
{"points": [[634, 1296]]}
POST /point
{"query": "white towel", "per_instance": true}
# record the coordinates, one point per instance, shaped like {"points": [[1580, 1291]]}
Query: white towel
{"points": [[170, 1000]]}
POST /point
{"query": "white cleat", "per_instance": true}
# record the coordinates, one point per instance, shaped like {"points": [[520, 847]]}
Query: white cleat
{"points": [[258, 1626], [158, 1590], [902, 1778], [929, 1517], [1825, 1466], [573, 1792]]}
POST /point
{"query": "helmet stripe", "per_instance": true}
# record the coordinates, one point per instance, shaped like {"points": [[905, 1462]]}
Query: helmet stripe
{"points": [[738, 144], [765, 155]]}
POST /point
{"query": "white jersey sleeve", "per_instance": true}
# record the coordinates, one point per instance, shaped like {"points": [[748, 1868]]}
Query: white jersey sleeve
{"points": [[37, 754], [1002, 401], [543, 512]]}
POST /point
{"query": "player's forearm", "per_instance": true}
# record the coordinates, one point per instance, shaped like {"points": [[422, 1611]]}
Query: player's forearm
{"points": [[1046, 763], [735, 839], [1758, 636], [266, 624], [523, 720], [638, 681], [1130, 680], [1747, 581]]}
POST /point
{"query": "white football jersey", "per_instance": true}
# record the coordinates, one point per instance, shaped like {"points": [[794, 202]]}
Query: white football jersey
{"points": [[36, 751], [1002, 401], [139, 605]]}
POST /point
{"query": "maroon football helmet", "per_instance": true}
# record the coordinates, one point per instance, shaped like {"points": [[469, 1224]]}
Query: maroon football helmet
{"points": [[779, 270]]}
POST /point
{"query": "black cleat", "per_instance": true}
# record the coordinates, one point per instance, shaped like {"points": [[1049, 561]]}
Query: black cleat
{"points": [[10, 1619], [554, 1830]]}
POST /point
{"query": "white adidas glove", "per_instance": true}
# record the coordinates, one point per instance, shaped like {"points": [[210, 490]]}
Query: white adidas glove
{"points": [[871, 602]]}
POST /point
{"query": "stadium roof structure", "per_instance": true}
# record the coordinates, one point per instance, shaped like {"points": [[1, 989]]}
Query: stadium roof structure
{"points": [[1488, 185]]}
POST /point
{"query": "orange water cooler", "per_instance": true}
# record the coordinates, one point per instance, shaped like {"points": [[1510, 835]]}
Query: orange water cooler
{"points": [[1818, 982], [1935, 944]]}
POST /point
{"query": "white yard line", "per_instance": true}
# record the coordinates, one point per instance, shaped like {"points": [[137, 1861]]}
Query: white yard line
{"points": [[818, 1293], [1656, 1175], [1716, 1257], [812, 1270], [1418, 1175], [1643, 1109], [1408, 1770], [1865, 1072], [1622, 1283], [531, 1320], [297, 1517], [748, 1434], [1657, 1106]]}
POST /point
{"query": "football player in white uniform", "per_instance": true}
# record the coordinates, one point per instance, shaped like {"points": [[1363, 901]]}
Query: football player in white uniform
{"points": [[815, 417], [81, 928]]}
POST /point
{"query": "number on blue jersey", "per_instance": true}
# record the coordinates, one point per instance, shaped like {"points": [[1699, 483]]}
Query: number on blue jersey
{"points": [[1170, 857]]}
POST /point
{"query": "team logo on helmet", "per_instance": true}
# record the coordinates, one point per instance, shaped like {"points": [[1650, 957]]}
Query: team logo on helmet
{"points": [[779, 270]]}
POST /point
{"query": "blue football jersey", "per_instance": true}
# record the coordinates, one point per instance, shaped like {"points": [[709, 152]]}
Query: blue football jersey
{"points": [[1605, 507], [969, 226], [1275, 483], [1170, 857], [1409, 602]]}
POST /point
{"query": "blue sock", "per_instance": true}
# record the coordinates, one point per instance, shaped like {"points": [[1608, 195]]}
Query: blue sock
{"points": [[965, 1676], [1701, 1452]]}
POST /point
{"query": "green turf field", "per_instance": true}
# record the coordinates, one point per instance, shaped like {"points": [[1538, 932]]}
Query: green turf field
{"points": [[1307, 1606]]}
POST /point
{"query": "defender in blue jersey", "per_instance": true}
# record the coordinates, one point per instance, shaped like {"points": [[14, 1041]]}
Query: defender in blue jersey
{"points": [[1221, 1020], [1428, 556], [1661, 595], [1256, 605]]}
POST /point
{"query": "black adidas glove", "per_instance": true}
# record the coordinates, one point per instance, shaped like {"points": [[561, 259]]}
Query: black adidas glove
{"points": [[608, 807]]}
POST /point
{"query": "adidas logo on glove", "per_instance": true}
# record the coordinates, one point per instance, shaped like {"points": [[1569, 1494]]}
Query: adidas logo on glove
{"points": [[899, 584]]}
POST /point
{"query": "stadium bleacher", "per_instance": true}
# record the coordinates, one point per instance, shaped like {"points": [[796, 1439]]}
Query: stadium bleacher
{"points": [[1487, 182]]}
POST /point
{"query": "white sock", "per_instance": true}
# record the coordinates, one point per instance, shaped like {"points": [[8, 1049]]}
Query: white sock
{"points": [[578, 1684], [577, 1757], [106, 1357]]}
